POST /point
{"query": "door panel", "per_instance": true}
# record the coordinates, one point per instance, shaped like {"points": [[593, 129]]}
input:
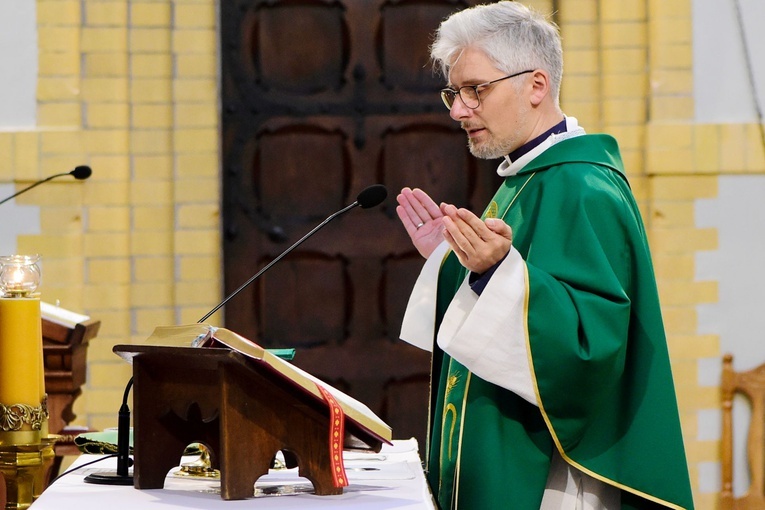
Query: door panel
{"points": [[322, 98]]}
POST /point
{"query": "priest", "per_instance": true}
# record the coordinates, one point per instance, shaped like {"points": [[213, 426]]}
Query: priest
{"points": [[551, 382]]}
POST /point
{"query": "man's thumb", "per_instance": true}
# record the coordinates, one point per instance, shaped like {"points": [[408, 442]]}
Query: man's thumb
{"points": [[499, 227], [495, 224]]}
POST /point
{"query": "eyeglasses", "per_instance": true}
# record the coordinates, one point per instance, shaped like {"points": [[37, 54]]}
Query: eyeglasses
{"points": [[469, 93]]}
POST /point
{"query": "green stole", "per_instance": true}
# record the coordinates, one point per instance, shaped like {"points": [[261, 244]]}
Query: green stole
{"points": [[451, 401]]}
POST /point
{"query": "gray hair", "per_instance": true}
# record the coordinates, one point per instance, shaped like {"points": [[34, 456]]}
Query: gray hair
{"points": [[514, 37]]}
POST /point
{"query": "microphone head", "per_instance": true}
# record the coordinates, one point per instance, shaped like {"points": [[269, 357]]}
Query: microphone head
{"points": [[81, 172], [372, 195]]}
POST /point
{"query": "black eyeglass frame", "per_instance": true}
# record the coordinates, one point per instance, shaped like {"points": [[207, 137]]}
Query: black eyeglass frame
{"points": [[448, 93]]}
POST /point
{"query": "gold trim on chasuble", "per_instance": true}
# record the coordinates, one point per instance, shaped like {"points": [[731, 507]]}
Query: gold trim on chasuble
{"points": [[454, 379], [430, 393], [452, 420], [552, 430], [547, 418], [451, 383]]}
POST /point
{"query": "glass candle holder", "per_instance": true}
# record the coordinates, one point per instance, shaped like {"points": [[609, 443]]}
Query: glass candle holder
{"points": [[19, 275]]}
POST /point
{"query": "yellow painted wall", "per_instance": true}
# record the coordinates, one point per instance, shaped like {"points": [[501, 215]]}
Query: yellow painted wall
{"points": [[130, 88]]}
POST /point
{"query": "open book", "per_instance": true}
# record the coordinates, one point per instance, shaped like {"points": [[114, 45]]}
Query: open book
{"points": [[204, 335], [67, 318]]}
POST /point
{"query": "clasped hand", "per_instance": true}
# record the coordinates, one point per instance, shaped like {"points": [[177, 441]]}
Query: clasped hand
{"points": [[478, 244]]}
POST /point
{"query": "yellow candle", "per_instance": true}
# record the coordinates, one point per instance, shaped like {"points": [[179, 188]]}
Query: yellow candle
{"points": [[40, 361], [20, 351], [41, 369]]}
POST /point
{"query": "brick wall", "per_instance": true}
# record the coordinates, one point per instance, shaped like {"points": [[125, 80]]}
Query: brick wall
{"points": [[130, 88]]}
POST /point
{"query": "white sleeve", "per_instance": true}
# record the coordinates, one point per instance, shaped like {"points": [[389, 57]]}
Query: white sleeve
{"points": [[419, 324], [488, 334]]}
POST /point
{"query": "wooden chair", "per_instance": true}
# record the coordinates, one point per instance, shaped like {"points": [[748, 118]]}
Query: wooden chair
{"points": [[3, 499], [751, 384]]}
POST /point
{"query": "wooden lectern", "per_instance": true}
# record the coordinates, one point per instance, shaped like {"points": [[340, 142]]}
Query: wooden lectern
{"points": [[65, 349], [243, 409], [65, 352]]}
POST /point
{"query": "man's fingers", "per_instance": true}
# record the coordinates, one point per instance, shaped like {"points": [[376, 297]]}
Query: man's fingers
{"points": [[427, 203], [469, 225], [478, 243], [415, 213], [500, 228], [461, 236], [407, 215], [416, 201], [454, 245], [403, 215], [474, 221], [419, 206]]}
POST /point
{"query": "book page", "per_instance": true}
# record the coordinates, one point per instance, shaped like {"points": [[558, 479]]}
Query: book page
{"points": [[354, 409], [200, 335], [187, 335], [61, 316]]}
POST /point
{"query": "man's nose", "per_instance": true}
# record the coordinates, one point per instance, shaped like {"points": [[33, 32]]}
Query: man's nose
{"points": [[459, 110]]}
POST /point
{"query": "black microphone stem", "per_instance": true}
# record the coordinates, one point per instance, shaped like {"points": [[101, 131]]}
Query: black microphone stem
{"points": [[277, 259], [122, 476], [32, 186], [369, 197], [123, 434]]}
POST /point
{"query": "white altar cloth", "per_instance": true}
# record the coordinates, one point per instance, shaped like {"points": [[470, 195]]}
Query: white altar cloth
{"points": [[392, 479]]}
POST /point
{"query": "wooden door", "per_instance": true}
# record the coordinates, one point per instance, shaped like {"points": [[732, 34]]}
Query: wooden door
{"points": [[322, 98]]}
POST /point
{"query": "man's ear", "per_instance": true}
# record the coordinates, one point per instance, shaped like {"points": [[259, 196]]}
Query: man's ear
{"points": [[540, 86]]}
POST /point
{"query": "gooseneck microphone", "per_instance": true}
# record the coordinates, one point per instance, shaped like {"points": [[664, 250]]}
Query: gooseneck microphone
{"points": [[79, 173], [369, 197], [122, 476]]}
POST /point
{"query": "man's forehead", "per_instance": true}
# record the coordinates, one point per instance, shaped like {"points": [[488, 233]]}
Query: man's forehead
{"points": [[471, 66]]}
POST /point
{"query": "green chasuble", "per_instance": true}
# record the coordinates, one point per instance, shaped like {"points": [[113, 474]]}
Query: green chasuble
{"points": [[597, 350]]}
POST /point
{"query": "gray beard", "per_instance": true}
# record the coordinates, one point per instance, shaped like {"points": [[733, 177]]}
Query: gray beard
{"points": [[495, 148], [491, 150]]}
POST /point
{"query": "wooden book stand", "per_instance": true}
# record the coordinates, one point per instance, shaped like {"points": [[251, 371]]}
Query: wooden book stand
{"points": [[243, 411], [65, 351], [65, 356]]}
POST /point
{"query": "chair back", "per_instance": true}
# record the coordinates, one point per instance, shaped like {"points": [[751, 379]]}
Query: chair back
{"points": [[751, 384]]}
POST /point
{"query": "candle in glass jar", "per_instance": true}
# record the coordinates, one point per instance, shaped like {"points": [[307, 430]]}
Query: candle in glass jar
{"points": [[21, 367]]}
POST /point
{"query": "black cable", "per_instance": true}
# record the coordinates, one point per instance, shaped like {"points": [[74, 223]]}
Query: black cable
{"points": [[80, 467]]}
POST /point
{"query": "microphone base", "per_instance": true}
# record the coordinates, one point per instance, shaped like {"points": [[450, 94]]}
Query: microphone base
{"points": [[109, 479]]}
